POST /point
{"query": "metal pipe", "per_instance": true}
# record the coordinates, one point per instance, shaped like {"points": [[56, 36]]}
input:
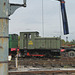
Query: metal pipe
{"points": [[4, 37], [16, 61]]}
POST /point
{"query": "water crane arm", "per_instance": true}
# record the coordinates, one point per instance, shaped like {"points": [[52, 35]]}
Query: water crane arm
{"points": [[64, 17], [13, 7]]}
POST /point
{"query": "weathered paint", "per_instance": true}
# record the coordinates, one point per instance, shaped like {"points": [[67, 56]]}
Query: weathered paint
{"points": [[3, 41], [3, 27], [4, 8], [3, 69], [3, 37], [3, 49]]}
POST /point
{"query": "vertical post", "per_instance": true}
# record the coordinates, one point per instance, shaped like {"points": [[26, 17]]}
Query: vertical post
{"points": [[16, 60], [66, 39], [4, 37]]}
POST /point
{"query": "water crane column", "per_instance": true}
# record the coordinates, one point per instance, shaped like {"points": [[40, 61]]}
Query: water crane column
{"points": [[6, 9]]}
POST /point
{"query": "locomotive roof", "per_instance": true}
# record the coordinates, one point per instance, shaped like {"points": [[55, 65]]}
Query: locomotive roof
{"points": [[13, 34], [30, 32], [47, 37]]}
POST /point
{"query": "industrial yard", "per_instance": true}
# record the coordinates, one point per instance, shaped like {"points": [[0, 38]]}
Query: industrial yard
{"points": [[31, 53]]}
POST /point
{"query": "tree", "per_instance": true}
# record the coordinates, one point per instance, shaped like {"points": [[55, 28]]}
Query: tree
{"points": [[62, 42]]}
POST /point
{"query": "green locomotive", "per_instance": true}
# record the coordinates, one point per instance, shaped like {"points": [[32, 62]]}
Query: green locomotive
{"points": [[31, 44], [13, 44]]}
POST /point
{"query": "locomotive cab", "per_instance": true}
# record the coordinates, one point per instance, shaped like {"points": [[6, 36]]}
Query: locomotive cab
{"points": [[27, 39]]}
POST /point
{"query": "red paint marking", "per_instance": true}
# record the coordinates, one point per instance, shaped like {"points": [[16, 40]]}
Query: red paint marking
{"points": [[28, 54], [62, 50], [62, 1], [13, 49], [34, 54], [17, 49], [38, 55]]}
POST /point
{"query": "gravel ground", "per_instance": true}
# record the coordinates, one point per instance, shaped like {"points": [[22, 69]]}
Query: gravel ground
{"points": [[47, 64]]}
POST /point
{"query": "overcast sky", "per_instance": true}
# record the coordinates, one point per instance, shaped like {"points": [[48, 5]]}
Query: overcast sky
{"points": [[30, 18]]}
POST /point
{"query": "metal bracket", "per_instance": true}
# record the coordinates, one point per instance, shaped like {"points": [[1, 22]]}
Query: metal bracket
{"points": [[13, 7], [3, 61], [4, 18]]}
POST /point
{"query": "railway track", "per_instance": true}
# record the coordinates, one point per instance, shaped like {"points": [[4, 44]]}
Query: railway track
{"points": [[44, 62], [50, 66], [44, 72]]}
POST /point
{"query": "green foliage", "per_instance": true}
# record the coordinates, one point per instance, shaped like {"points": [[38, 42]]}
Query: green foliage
{"points": [[62, 41], [72, 42]]}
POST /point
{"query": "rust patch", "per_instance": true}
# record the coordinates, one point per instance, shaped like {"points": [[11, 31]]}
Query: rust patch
{"points": [[1, 21], [1, 47], [7, 22], [4, 7], [2, 40], [4, 3], [2, 25], [1, 65]]}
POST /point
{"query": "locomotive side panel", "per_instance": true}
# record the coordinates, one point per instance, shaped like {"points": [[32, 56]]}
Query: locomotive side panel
{"points": [[21, 40], [43, 43], [40, 43], [58, 43], [37, 43], [13, 41], [47, 43]]}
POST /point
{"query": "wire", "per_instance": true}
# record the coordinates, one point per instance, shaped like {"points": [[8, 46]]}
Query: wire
{"points": [[60, 25], [42, 19], [60, 21]]}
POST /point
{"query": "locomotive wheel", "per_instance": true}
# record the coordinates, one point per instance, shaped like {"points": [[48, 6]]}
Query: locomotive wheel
{"points": [[71, 54]]}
